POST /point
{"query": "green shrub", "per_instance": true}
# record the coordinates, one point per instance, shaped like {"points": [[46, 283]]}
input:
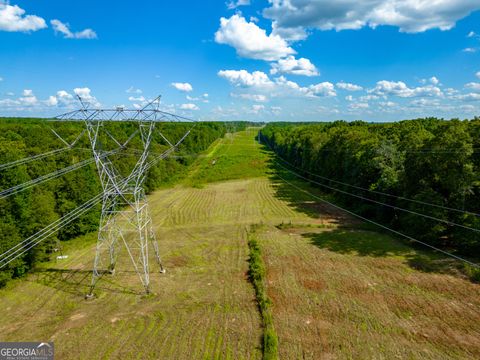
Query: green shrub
{"points": [[473, 273], [257, 275]]}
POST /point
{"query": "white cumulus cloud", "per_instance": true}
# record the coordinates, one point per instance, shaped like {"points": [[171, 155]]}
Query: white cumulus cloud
{"points": [[13, 18], [290, 65], [323, 89], [358, 106], [246, 79], [348, 86], [424, 102], [29, 102], [63, 98], [251, 97], [467, 97], [139, 98], [290, 34], [202, 98], [52, 101], [64, 94], [434, 80], [185, 87], [250, 41], [234, 4], [64, 29], [9, 103], [368, 97], [257, 108], [132, 90], [474, 86], [28, 98], [388, 103], [189, 107], [280, 86], [408, 15], [400, 89], [86, 96]]}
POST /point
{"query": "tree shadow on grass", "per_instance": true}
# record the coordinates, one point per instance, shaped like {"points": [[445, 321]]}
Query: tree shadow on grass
{"points": [[286, 184], [77, 282], [378, 244], [359, 242], [353, 236]]}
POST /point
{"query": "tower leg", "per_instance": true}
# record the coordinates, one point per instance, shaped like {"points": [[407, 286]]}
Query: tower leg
{"points": [[157, 256], [96, 264], [154, 241], [105, 239], [113, 252], [144, 262], [137, 249]]}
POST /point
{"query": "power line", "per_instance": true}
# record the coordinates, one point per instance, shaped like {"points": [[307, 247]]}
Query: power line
{"points": [[55, 174], [382, 226], [26, 185], [475, 150], [35, 239], [369, 190], [39, 236], [43, 155], [426, 151], [33, 158], [116, 187], [381, 203]]}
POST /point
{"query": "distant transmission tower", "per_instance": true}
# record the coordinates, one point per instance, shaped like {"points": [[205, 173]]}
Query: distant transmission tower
{"points": [[125, 218]]}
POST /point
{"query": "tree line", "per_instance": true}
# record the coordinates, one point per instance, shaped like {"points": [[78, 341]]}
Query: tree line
{"points": [[24, 213], [409, 164]]}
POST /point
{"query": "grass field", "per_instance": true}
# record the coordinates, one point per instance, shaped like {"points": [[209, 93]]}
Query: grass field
{"points": [[339, 289]]}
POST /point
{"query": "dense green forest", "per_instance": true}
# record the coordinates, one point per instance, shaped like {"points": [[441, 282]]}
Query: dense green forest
{"points": [[428, 166], [26, 212]]}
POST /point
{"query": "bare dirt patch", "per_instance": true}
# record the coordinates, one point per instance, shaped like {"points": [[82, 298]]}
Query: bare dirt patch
{"points": [[76, 317]]}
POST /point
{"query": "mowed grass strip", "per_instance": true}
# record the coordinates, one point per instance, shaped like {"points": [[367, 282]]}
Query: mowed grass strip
{"points": [[237, 156]]}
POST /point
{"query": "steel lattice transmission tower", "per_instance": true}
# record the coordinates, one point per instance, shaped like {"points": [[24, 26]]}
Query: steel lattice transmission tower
{"points": [[125, 219]]}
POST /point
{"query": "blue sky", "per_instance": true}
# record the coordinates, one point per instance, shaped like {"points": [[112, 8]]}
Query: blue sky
{"points": [[295, 60]]}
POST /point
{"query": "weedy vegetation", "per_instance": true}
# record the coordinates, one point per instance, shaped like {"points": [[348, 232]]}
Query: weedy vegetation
{"points": [[257, 275]]}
